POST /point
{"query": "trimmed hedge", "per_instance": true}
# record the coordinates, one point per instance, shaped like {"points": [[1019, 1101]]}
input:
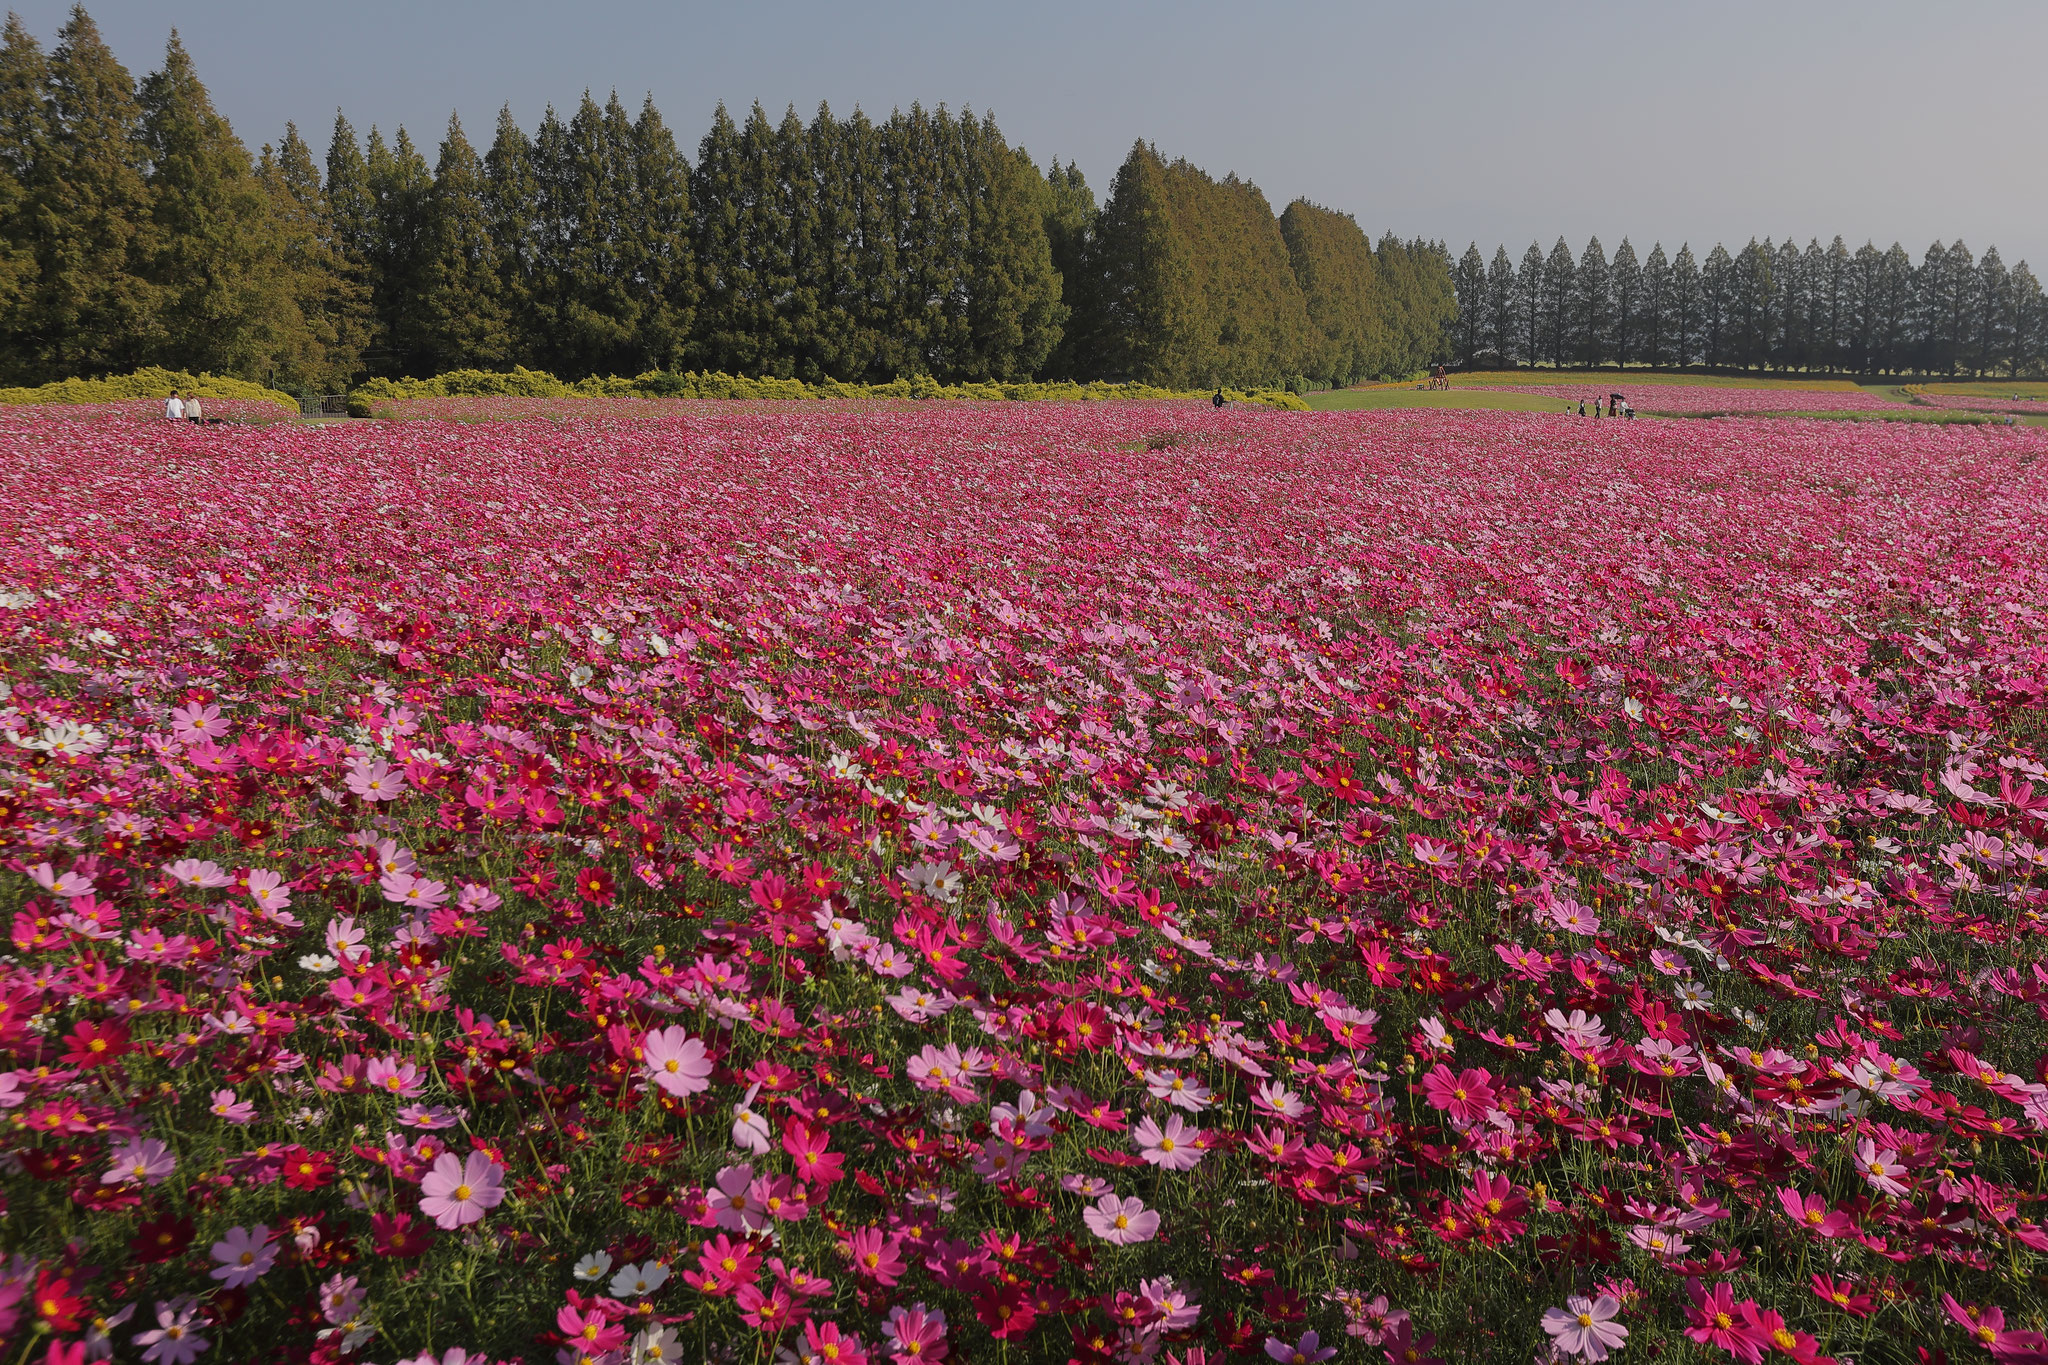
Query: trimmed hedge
{"points": [[148, 383], [525, 383]]}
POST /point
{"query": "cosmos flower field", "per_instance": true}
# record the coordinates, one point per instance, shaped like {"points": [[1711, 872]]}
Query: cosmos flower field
{"points": [[1023, 883]]}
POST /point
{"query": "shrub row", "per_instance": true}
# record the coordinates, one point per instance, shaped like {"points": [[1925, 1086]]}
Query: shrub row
{"points": [[148, 383]]}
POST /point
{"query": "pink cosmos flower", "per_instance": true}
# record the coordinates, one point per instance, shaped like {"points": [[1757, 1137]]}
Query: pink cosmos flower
{"points": [[67, 886], [1121, 1222], [676, 1062], [1586, 1327], [1307, 1350], [735, 1205], [395, 1076], [174, 1340], [1882, 1169], [376, 781], [140, 1161], [1466, 1095], [1171, 1148], [414, 892], [1812, 1213], [245, 1256], [916, 1335], [833, 1347], [199, 721], [197, 872], [1715, 1319], [268, 890], [460, 1192]]}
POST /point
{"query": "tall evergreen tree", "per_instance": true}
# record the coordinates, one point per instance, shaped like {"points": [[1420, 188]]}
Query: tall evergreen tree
{"points": [[399, 184], [1625, 290], [1990, 320], [1560, 292], [1653, 313], [1752, 299], [1141, 302], [1831, 307], [1014, 311], [1342, 291], [1688, 308], [743, 247], [92, 309], [24, 154], [329, 290], [512, 200], [1469, 280], [1069, 230], [1529, 294], [656, 245], [463, 320], [1592, 309], [213, 256], [1717, 307], [1500, 305]]}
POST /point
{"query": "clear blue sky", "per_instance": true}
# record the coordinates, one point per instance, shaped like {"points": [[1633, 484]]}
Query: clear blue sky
{"points": [[1495, 121]]}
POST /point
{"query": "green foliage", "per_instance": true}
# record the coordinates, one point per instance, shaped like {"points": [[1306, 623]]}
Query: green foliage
{"points": [[525, 383], [326, 284], [463, 317], [1340, 283], [144, 383]]}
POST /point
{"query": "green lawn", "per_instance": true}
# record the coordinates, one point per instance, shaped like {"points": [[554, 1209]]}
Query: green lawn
{"points": [[1354, 400], [1647, 378]]}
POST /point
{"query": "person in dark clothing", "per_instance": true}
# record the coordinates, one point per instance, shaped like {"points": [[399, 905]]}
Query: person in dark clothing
{"points": [[1218, 399]]}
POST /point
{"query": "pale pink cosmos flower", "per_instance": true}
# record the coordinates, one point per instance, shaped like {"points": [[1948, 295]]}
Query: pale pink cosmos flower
{"points": [[676, 1061], [191, 724], [226, 1106], [174, 1340], [459, 1192], [376, 781], [68, 885], [1586, 1327], [268, 890], [1882, 1169], [1121, 1222], [197, 872], [404, 888], [395, 1076], [1171, 1148], [750, 1131], [1306, 1351], [735, 1206], [245, 1256], [140, 1161]]}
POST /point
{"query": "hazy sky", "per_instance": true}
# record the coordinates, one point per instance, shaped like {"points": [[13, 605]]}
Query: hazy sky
{"points": [[1495, 121]]}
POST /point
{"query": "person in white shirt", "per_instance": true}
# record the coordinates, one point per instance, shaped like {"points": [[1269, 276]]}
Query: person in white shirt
{"points": [[192, 410], [174, 407]]}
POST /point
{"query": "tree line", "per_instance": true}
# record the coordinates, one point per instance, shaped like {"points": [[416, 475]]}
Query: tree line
{"points": [[1822, 309], [137, 229]]}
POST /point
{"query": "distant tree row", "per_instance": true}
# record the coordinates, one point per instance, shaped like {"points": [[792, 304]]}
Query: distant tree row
{"points": [[1823, 309], [136, 229]]}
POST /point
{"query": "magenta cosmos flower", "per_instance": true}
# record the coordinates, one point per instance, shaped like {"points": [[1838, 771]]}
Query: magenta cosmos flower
{"points": [[676, 1061], [458, 1192], [1586, 1327], [1121, 1222]]}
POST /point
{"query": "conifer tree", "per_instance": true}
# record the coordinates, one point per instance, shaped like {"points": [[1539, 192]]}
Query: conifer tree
{"points": [[213, 254], [24, 154], [1560, 289], [1688, 307], [92, 311], [1139, 299], [1070, 214], [399, 182], [512, 201], [329, 290], [656, 247], [596, 303], [833, 149], [1341, 291], [1653, 328], [1625, 289], [463, 320], [1015, 316], [1529, 307], [1592, 321], [1500, 304], [1470, 282], [873, 303], [1717, 299]]}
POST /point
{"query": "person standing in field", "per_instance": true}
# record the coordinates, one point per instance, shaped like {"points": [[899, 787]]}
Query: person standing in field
{"points": [[174, 407], [193, 413]]}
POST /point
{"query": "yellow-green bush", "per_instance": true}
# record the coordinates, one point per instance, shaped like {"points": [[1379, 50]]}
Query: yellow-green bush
{"points": [[148, 383], [524, 383]]}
